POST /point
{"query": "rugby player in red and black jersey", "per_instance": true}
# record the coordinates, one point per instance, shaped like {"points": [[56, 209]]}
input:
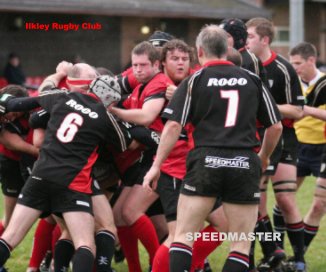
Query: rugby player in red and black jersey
{"points": [[61, 182], [17, 154], [142, 107], [285, 87], [215, 100]]}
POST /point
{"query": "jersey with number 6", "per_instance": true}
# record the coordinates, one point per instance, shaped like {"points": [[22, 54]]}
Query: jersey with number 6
{"points": [[78, 124], [222, 102]]}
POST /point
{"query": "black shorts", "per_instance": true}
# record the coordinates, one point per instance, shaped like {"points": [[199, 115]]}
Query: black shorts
{"points": [[11, 178], [289, 147], [309, 159], [96, 189], [285, 151], [323, 164], [232, 175], [50, 197], [168, 189], [136, 173], [106, 173], [155, 209]]}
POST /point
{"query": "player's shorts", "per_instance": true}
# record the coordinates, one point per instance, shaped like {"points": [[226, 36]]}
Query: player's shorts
{"points": [[322, 173], [228, 174], [11, 178], [155, 209], [309, 159], [289, 146], [168, 188], [285, 151], [96, 189], [135, 174], [105, 172], [51, 197]]}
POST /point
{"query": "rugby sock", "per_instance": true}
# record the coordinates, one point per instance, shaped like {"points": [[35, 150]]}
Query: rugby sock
{"points": [[5, 249], [268, 223], [63, 252], [309, 234], [129, 245], [180, 257], [2, 228], [161, 261], [202, 248], [56, 233], [42, 242], [252, 264], [105, 245], [83, 260], [279, 225], [236, 262], [144, 230], [296, 236], [268, 247]]}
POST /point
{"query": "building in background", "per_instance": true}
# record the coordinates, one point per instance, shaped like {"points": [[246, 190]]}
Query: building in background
{"points": [[124, 23]]}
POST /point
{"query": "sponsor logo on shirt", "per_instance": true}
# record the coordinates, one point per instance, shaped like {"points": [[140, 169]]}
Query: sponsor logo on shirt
{"points": [[87, 111], [217, 162], [227, 81]]}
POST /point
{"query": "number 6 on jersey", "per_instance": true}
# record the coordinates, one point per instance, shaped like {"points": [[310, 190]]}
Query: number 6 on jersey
{"points": [[69, 127]]}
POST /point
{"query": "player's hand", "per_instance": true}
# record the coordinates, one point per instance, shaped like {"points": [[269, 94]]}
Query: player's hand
{"points": [[3, 102], [64, 67], [151, 178], [170, 91], [264, 162]]}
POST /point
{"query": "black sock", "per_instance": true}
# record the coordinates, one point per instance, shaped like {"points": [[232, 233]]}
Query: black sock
{"points": [[279, 225], [268, 247], [5, 249], [309, 234], [105, 245], [236, 262], [296, 237], [252, 255], [83, 260], [63, 252], [180, 257]]}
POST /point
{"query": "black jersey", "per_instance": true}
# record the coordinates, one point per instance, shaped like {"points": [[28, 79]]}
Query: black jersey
{"points": [[253, 64], [283, 81], [223, 101], [78, 124], [317, 96]]}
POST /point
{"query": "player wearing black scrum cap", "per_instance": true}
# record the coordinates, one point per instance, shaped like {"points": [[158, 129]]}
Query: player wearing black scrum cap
{"points": [[237, 37]]}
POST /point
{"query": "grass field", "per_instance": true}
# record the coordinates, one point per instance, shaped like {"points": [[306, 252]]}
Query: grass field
{"points": [[314, 257]]}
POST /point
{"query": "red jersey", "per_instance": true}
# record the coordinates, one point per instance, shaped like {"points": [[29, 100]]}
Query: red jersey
{"points": [[155, 88]]}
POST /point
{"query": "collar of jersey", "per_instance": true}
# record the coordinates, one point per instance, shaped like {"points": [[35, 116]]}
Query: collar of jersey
{"points": [[271, 59], [217, 62]]}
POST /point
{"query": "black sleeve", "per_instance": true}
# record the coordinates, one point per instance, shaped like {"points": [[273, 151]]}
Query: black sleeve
{"points": [[145, 136], [39, 119], [22, 104], [118, 135], [268, 113]]}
